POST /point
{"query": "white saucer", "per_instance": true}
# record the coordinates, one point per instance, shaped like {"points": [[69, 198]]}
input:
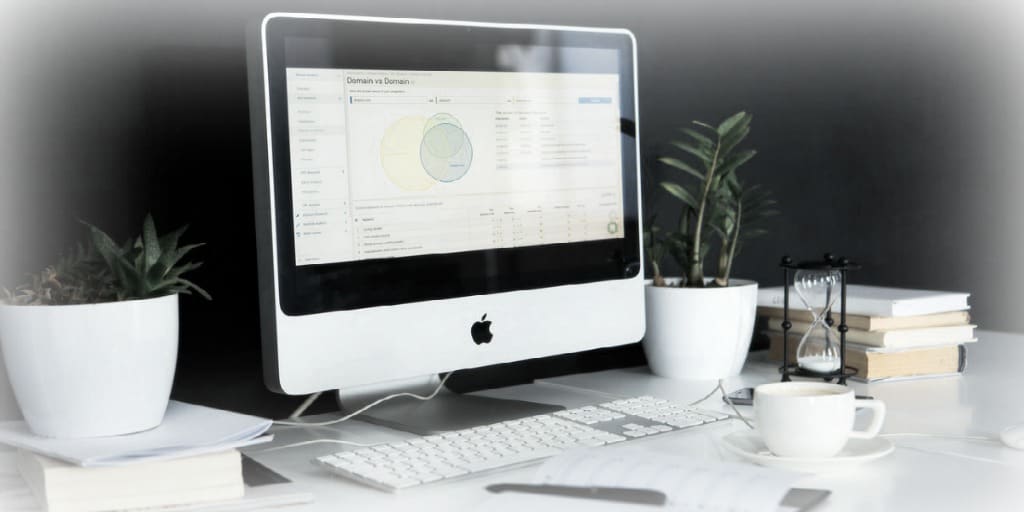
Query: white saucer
{"points": [[748, 445]]}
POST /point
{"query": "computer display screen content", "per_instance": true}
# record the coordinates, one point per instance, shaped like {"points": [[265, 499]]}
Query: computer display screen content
{"points": [[398, 163], [448, 161]]}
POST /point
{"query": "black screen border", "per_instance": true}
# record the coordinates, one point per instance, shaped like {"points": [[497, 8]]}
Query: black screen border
{"points": [[312, 289]]}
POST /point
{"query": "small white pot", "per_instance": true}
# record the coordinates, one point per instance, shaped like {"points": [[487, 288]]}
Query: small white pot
{"points": [[94, 369], [699, 333]]}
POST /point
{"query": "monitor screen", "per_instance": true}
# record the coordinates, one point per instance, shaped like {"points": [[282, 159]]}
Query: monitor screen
{"points": [[489, 160]]}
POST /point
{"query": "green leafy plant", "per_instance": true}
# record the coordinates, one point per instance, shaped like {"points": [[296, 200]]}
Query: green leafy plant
{"points": [[77, 278], [147, 266], [715, 203]]}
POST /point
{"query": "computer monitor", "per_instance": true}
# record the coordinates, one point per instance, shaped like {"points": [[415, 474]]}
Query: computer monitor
{"points": [[437, 195]]}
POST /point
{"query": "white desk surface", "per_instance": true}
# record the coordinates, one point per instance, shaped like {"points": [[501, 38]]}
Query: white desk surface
{"points": [[934, 474]]}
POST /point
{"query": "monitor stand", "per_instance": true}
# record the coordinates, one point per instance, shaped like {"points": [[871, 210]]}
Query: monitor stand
{"points": [[445, 412]]}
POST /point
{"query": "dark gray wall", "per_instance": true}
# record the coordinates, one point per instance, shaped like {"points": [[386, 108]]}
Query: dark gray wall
{"points": [[889, 133]]}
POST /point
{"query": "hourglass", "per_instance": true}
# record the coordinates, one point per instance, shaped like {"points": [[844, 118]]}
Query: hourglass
{"points": [[818, 350], [820, 287]]}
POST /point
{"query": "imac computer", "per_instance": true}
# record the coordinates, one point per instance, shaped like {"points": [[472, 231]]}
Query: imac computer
{"points": [[438, 195]]}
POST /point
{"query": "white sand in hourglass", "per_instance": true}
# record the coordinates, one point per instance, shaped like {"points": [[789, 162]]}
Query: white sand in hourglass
{"points": [[822, 364]]}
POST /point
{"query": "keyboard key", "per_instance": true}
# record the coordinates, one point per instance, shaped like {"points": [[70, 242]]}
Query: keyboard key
{"points": [[483, 465]]}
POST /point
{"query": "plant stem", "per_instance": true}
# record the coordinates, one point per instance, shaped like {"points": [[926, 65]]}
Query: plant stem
{"points": [[658, 279], [695, 277], [723, 277], [723, 261]]}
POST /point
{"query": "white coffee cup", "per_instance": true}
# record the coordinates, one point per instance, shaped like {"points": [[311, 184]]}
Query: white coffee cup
{"points": [[811, 419]]}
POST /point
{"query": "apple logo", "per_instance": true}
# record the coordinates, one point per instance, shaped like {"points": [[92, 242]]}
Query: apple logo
{"points": [[481, 331]]}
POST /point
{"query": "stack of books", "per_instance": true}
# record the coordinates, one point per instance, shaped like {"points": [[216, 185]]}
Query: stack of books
{"points": [[893, 333], [190, 462]]}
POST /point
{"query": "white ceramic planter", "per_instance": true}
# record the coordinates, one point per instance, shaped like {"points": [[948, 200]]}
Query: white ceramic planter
{"points": [[91, 370], [699, 333]]}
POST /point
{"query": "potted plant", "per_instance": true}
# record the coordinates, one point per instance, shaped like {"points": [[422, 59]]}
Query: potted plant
{"points": [[90, 343], [700, 327]]}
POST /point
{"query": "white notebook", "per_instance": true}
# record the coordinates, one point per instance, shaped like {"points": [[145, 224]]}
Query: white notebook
{"points": [[187, 430], [876, 301]]}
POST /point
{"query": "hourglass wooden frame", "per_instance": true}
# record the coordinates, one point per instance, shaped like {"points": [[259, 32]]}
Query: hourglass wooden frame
{"points": [[829, 263]]}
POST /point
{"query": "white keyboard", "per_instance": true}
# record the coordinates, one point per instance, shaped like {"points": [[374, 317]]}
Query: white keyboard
{"points": [[427, 459]]}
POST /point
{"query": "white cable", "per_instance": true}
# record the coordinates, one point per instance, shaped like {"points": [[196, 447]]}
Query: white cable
{"points": [[725, 396], [315, 441], [304, 405], [709, 395], [942, 436], [366, 408]]}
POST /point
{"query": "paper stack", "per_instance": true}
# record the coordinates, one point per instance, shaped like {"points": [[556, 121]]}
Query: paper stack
{"points": [[191, 459], [632, 479], [59, 486]]}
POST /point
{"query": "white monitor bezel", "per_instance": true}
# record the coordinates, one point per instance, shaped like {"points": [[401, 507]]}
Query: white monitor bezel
{"points": [[309, 353]]}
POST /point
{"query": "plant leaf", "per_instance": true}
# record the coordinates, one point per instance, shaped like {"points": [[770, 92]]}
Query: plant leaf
{"points": [[169, 242], [182, 269], [730, 142], [150, 241], [682, 166], [679, 192], [169, 259], [699, 137], [704, 157], [104, 245], [735, 162], [732, 122], [195, 287], [705, 125]]}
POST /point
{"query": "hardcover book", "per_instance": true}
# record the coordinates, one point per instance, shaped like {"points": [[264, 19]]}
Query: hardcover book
{"points": [[870, 323], [875, 364], [898, 338]]}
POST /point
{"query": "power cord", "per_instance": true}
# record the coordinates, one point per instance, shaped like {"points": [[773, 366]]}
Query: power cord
{"points": [[943, 436], [304, 405], [720, 388], [704, 398], [728, 400], [314, 441], [312, 398], [369, 406]]}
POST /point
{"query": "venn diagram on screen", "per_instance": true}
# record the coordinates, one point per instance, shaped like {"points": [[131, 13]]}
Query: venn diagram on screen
{"points": [[418, 152]]}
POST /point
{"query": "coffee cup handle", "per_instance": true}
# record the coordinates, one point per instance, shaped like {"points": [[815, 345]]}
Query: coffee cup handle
{"points": [[877, 417]]}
